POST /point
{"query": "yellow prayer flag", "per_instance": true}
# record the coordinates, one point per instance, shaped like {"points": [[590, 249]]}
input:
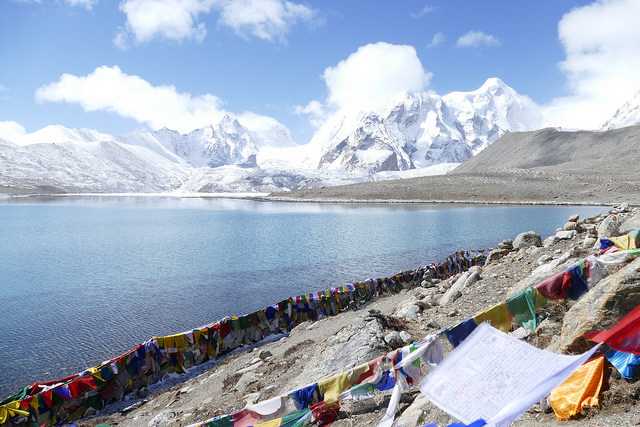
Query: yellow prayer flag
{"points": [[579, 391], [498, 316]]}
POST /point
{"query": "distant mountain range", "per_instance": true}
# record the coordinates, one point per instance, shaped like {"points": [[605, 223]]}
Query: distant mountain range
{"points": [[416, 135], [424, 129]]}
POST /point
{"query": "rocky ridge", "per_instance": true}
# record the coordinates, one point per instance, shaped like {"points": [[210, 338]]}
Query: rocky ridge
{"points": [[337, 343]]}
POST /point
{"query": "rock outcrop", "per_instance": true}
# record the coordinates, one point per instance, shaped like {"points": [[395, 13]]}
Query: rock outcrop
{"points": [[601, 307], [527, 239]]}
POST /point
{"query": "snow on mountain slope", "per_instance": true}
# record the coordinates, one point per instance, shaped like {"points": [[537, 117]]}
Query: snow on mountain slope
{"points": [[627, 115], [423, 129], [226, 142], [102, 166], [58, 134]]}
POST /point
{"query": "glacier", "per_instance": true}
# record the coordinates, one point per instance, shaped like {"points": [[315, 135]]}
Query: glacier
{"points": [[417, 134]]}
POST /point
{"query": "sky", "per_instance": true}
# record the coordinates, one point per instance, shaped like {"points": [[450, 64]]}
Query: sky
{"points": [[121, 65]]}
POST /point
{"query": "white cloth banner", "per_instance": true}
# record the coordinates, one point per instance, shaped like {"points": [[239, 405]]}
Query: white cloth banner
{"points": [[496, 377]]}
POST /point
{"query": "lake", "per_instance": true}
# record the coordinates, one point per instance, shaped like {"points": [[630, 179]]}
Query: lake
{"points": [[83, 279]]}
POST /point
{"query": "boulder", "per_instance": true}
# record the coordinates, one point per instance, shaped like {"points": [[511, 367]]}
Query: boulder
{"points": [[394, 340], [412, 416], [265, 354], [408, 311], [630, 223], [495, 255], [566, 234], [608, 301], [544, 259], [427, 284], [406, 337], [550, 241], [570, 226], [588, 242], [527, 239], [467, 278], [352, 345], [609, 226], [506, 244], [573, 218]]}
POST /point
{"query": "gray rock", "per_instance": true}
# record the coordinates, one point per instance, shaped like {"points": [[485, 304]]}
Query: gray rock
{"points": [[467, 278], [352, 345], [527, 239], [630, 223], [607, 302], [588, 242], [408, 311], [245, 381], [394, 339], [412, 416], [566, 234], [570, 226], [252, 398], [550, 241], [506, 244], [573, 218], [544, 259], [495, 255], [265, 354], [427, 284], [164, 418], [609, 226], [406, 337], [251, 367]]}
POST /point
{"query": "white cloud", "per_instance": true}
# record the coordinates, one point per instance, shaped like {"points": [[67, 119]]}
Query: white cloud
{"points": [[264, 19], [87, 4], [602, 63], [175, 20], [437, 40], [109, 89], [314, 110], [426, 9], [374, 74], [179, 20], [11, 131], [477, 39]]}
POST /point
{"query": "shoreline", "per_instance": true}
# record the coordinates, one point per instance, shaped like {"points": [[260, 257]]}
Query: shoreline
{"points": [[433, 202], [266, 197]]}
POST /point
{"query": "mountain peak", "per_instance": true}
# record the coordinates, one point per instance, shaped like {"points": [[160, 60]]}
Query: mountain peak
{"points": [[494, 82], [627, 115]]}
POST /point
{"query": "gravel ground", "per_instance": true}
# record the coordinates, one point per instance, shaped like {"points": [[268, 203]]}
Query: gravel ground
{"points": [[314, 350], [498, 187]]}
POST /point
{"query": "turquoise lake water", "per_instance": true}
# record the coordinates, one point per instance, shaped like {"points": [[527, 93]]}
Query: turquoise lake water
{"points": [[84, 279]]}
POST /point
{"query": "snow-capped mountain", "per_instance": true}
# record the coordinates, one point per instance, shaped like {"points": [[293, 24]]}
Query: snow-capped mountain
{"points": [[225, 143], [627, 115], [423, 129], [418, 134]]}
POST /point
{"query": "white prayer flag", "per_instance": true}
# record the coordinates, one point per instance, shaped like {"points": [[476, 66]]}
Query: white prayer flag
{"points": [[496, 377]]}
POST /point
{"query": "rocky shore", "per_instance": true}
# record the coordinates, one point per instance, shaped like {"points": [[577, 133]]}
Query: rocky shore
{"points": [[316, 349]]}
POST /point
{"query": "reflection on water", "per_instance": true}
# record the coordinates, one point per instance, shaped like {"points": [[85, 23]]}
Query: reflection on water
{"points": [[85, 278]]}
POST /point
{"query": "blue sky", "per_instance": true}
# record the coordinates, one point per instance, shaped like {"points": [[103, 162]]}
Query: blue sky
{"points": [[269, 73]]}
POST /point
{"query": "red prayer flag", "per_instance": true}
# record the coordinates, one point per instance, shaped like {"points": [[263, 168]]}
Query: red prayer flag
{"points": [[623, 336]]}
